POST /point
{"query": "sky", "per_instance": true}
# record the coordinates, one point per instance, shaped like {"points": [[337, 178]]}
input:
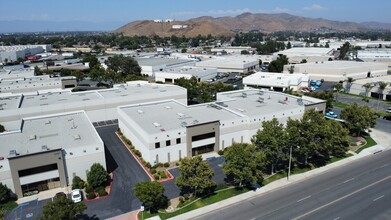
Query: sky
{"points": [[79, 15]]}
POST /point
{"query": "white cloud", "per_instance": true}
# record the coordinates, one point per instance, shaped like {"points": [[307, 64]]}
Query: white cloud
{"points": [[280, 10], [314, 7]]}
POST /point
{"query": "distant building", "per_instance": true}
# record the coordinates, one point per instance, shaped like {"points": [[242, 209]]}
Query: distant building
{"points": [[151, 65], [46, 152], [276, 81], [13, 53], [357, 87], [180, 131], [311, 54], [233, 64], [339, 70], [170, 75]]}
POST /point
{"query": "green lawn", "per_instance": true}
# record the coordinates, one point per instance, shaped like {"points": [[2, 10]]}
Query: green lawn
{"points": [[218, 196], [335, 159], [370, 143], [340, 105]]}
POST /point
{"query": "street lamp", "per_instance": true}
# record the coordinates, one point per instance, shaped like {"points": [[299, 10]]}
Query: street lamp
{"points": [[290, 162]]}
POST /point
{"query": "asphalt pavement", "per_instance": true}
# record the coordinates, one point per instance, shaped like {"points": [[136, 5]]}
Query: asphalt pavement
{"points": [[358, 190], [127, 172]]}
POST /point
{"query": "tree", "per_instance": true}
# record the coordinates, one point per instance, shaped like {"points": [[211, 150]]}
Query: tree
{"points": [[327, 45], [97, 176], [338, 88], [289, 45], [325, 95], [271, 140], [260, 62], [303, 61], [37, 71], [244, 52], [151, 194], [62, 208], [2, 129], [313, 135], [195, 176], [344, 49], [243, 164], [124, 66], [349, 83], [382, 86], [278, 65], [368, 87], [92, 60], [98, 74], [358, 118], [5, 194]]}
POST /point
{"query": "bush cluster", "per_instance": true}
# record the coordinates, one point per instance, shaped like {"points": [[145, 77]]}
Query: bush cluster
{"points": [[78, 183]]}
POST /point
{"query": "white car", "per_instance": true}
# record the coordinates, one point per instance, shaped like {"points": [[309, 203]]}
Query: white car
{"points": [[388, 110], [76, 195]]}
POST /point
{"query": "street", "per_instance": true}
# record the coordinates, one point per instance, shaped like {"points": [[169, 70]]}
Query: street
{"points": [[359, 190]]}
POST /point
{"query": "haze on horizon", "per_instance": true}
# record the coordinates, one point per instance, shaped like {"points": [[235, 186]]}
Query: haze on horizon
{"points": [[104, 15]]}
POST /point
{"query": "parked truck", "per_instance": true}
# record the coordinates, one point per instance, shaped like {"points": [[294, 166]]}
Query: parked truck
{"points": [[72, 61]]}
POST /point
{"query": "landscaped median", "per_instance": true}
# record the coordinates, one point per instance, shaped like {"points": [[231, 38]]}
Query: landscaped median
{"points": [[369, 143], [157, 172]]}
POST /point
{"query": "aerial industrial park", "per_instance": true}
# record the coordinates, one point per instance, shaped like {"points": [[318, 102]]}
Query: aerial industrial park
{"points": [[246, 116]]}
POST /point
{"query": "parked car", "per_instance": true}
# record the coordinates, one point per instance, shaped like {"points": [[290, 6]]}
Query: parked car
{"points": [[76, 195], [331, 115], [387, 117], [388, 110]]}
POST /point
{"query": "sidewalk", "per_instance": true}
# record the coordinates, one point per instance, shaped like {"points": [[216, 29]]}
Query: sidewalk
{"points": [[45, 194], [278, 184]]}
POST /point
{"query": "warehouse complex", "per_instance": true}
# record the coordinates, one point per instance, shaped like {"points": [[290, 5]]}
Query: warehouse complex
{"points": [[339, 70], [357, 87], [149, 66], [46, 152], [311, 54], [182, 131], [276, 81]]}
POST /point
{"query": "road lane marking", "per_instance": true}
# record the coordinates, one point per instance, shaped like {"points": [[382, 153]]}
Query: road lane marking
{"points": [[337, 218], [303, 199], [346, 181], [378, 198], [384, 165], [341, 198]]}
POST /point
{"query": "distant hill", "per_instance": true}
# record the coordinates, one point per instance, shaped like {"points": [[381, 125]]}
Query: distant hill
{"points": [[245, 22]]}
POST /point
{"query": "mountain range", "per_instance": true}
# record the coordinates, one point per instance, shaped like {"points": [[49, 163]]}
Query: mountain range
{"points": [[245, 22]]}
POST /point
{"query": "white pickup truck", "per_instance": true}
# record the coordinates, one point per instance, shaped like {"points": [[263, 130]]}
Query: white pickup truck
{"points": [[388, 110]]}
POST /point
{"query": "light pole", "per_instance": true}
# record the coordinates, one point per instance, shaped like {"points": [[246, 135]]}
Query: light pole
{"points": [[290, 162]]}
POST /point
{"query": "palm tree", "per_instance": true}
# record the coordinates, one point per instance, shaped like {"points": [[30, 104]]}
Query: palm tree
{"points": [[349, 82], [338, 88], [382, 87], [368, 87]]}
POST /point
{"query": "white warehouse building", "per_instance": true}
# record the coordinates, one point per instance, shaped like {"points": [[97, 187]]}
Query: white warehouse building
{"points": [[276, 81], [100, 105], [232, 64], [339, 70], [46, 152], [180, 131], [170, 75], [13, 53], [149, 66], [311, 54]]}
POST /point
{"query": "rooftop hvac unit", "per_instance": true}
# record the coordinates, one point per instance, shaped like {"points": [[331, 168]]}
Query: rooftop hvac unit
{"points": [[32, 137], [13, 153], [183, 124], [76, 137], [195, 122], [44, 147], [156, 124]]}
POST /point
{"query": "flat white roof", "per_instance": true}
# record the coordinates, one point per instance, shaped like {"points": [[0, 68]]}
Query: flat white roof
{"points": [[239, 62], [306, 51], [386, 78], [190, 70], [342, 65], [162, 61], [69, 131], [134, 91]]}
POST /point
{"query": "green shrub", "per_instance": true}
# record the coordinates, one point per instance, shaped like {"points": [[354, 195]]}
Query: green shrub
{"points": [[163, 174], [77, 183], [159, 165], [166, 164], [156, 176], [181, 199], [89, 189], [153, 170], [353, 144], [221, 152], [91, 195], [137, 152], [148, 165], [97, 176], [101, 191], [177, 164]]}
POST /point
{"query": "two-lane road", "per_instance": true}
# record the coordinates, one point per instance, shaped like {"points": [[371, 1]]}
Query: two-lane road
{"points": [[359, 190]]}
